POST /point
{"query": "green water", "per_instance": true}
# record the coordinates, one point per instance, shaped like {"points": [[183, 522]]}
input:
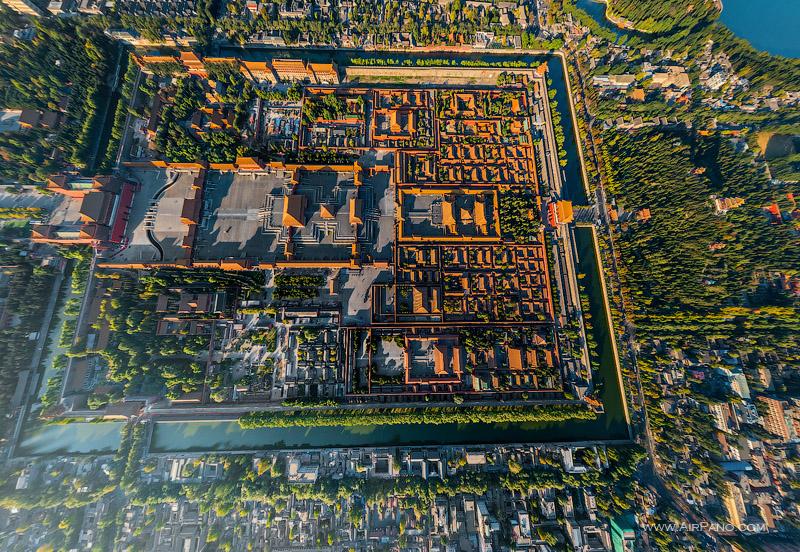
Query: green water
{"points": [[73, 438]]}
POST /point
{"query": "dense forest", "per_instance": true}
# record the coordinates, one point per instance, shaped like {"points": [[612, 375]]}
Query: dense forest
{"points": [[139, 359], [65, 66], [686, 258], [26, 296], [658, 16], [694, 274]]}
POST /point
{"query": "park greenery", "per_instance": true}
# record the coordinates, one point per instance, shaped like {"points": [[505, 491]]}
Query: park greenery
{"points": [[238, 91], [691, 278], [121, 112], [329, 107], [77, 276], [180, 144], [441, 62], [289, 285], [694, 275], [20, 213], [139, 359], [164, 68], [519, 214], [292, 93], [558, 127], [653, 16], [52, 392], [26, 295], [698, 261], [66, 63], [432, 416]]}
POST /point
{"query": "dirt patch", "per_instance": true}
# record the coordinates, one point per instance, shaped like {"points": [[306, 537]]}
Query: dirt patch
{"points": [[762, 139], [776, 145], [429, 75]]}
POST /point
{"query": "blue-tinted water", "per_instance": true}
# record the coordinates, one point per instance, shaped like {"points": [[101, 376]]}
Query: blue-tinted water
{"points": [[596, 9], [769, 25]]}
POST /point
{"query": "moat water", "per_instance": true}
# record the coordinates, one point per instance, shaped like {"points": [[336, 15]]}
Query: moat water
{"points": [[204, 436]]}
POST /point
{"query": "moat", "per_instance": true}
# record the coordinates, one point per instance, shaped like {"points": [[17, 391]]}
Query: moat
{"points": [[191, 436]]}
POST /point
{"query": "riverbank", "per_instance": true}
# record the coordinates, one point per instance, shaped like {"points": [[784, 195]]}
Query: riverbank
{"points": [[618, 20], [768, 26]]}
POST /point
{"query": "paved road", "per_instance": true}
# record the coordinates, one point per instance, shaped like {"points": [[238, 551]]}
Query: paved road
{"points": [[127, 132], [29, 199], [87, 299]]}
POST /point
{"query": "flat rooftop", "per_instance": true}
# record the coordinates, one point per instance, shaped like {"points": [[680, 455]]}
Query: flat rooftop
{"points": [[378, 192]]}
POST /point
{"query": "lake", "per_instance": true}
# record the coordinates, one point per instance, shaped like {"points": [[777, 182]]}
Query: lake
{"points": [[770, 25], [598, 12]]}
